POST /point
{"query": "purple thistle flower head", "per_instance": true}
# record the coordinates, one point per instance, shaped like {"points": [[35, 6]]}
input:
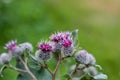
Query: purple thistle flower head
{"points": [[11, 45], [45, 46], [55, 38], [60, 36], [67, 43], [65, 35]]}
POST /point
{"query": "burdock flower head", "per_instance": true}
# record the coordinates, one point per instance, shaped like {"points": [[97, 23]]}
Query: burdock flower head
{"points": [[45, 50], [83, 57], [58, 39], [11, 45], [67, 47], [13, 49]]}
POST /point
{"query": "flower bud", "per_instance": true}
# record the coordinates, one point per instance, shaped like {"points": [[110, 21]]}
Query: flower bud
{"points": [[83, 57], [13, 49], [26, 46], [5, 58], [11, 45], [92, 71], [58, 39], [42, 55], [68, 48], [16, 52], [67, 51], [91, 59], [45, 51]]}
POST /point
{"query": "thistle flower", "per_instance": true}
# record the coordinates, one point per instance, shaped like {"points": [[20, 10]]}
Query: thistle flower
{"points": [[11, 45], [67, 43], [58, 39], [13, 49], [67, 48], [26, 46], [5, 58], [45, 50], [83, 57]]}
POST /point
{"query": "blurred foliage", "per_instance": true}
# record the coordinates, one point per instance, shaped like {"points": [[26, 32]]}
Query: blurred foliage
{"points": [[98, 22]]}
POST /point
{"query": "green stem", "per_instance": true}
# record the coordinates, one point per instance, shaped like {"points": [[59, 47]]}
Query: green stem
{"points": [[27, 69]]}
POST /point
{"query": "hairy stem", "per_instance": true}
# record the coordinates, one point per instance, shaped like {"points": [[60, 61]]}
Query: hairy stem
{"points": [[57, 67], [69, 78], [46, 67], [16, 69], [27, 69]]}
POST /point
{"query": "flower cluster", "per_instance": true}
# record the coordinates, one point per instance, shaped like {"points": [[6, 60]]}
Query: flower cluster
{"points": [[59, 42], [61, 45], [14, 50]]}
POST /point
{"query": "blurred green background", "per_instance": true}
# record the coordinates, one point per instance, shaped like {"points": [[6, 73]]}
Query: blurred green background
{"points": [[98, 22]]}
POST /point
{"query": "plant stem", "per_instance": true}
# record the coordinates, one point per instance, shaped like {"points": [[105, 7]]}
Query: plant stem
{"points": [[73, 72], [16, 69], [57, 67], [65, 57], [46, 67], [27, 69]]}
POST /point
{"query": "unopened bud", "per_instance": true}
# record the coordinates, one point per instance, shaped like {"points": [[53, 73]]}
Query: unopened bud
{"points": [[43, 55], [5, 58], [26, 46], [92, 71], [82, 57], [16, 52]]}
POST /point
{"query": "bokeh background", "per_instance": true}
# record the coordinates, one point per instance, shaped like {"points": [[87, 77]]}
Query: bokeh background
{"points": [[98, 22]]}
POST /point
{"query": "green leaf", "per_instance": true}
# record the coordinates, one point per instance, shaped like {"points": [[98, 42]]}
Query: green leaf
{"points": [[67, 76], [100, 76], [75, 36], [31, 57], [2, 69], [98, 66], [75, 78], [38, 71]]}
